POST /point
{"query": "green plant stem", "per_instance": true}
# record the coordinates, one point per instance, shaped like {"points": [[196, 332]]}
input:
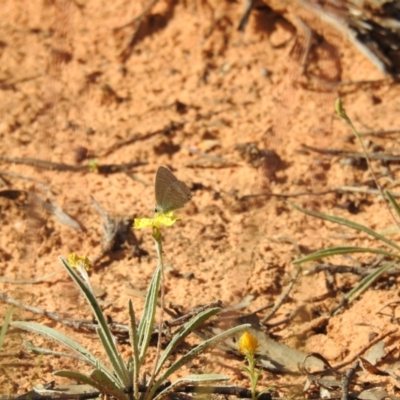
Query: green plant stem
{"points": [[253, 375], [342, 114], [158, 244], [135, 350]]}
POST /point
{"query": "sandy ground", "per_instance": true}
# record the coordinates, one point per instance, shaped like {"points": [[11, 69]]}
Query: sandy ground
{"points": [[229, 113]]}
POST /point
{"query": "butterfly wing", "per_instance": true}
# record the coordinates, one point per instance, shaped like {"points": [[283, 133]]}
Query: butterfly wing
{"points": [[164, 179], [171, 193], [177, 195]]}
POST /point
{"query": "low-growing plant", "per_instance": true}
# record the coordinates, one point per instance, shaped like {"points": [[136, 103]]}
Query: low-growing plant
{"points": [[248, 345], [393, 249], [122, 379]]}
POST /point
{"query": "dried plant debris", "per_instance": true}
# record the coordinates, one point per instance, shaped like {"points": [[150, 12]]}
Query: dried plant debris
{"points": [[52, 391], [373, 26], [62, 167], [332, 383], [37, 203], [36, 207], [282, 357], [376, 393], [268, 160], [117, 232]]}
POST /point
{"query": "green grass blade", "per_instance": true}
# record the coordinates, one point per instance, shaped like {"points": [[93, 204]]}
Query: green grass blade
{"points": [[192, 380], [108, 385], [47, 352], [202, 378], [115, 359], [78, 377], [7, 318], [97, 379], [135, 349], [106, 336], [59, 337], [366, 282], [195, 352], [186, 329], [146, 324], [334, 251], [346, 222], [392, 202]]}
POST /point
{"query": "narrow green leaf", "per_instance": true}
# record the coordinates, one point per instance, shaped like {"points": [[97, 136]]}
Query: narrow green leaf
{"points": [[266, 390], [115, 359], [203, 378], [334, 251], [194, 380], [47, 352], [135, 349], [193, 353], [367, 281], [186, 329], [106, 336], [393, 202], [146, 324], [246, 369], [79, 377], [59, 337], [109, 387], [348, 223], [6, 322], [96, 379]]}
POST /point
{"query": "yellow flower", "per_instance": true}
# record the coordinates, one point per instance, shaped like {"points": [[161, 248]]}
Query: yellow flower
{"points": [[78, 262], [167, 219], [82, 265], [248, 344]]}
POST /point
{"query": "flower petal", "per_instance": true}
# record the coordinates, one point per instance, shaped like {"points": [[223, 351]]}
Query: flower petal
{"points": [[77, 262], [166, 219], [248, 344], [141, 223]]}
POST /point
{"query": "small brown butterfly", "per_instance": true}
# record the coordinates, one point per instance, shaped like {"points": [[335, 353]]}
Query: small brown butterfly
{"points": [[171, 193]]}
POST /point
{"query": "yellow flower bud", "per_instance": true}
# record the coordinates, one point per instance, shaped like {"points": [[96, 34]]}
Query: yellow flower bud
{"points": [[248, 344], [78, 262]]}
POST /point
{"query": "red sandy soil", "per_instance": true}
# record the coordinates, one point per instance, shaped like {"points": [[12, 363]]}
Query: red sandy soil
{"points": [[193, 89]]}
